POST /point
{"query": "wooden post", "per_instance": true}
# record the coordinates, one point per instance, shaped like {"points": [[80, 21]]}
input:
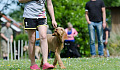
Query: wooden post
{"points": [[8, 49], [11, 50], [18, 49], [26, 51], [21, 49], [14, 50], [0, 48]]}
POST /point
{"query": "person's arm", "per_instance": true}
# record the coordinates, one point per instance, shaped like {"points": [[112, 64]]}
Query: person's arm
{"points": [[51, 11], [24, 1], [104, 17], [87, 17], [11, 38], [4, 37], [106, 39], [75, 33]]}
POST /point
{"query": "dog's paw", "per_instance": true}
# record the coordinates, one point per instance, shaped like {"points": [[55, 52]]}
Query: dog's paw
{"points": [[55, 66], [63, 67]]}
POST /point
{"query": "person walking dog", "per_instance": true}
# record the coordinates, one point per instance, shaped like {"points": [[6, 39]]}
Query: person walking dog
{"points": [[35, 18], [96, 18]]}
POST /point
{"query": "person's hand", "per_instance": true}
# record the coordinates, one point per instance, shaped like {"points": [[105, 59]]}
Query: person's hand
{"points": [[106, 42], [104, 24], [11, 40], [7, 39], [54, 23], [69, 36], [89, 22]]}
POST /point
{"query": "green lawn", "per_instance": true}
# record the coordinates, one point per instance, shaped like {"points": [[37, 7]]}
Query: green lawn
{"points": [[70, 63]]}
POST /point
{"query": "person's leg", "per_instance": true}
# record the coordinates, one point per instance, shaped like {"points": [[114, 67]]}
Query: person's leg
{"points": [[92, 38], [31, 48], [100, 38], [43, 42], [108, 54], [4, 49], [105, 50]]}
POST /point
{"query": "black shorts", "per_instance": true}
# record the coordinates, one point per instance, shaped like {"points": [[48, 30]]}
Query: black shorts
{"points": [[30, 23]]}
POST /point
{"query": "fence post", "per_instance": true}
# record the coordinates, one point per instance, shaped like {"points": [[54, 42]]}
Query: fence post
{"points": [[11, 50], [18, 49], [26, 51], [21, 49], [14, 50], [8, 50]]}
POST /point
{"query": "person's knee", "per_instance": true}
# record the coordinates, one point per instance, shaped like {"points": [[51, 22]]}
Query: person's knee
{"points": [[44, 36]]}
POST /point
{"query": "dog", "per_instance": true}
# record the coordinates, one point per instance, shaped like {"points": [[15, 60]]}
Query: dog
{"points": [[37, 51], [56, 44]]}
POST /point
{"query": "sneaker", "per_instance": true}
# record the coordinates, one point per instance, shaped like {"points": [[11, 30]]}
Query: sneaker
{"points": [[48, 66], [34, 67]]}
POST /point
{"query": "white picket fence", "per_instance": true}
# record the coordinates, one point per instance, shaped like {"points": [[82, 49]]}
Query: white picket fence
{"points": [[16, 52]]}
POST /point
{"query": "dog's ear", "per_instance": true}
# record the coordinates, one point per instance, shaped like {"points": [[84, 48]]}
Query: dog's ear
{"points": [[64, 37]]}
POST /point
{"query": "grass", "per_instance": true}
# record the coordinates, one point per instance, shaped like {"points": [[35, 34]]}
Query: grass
{"points": [[70, 63]]}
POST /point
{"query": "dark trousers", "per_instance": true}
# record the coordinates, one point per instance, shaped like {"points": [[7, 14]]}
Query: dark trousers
{"points": [[71, 49]]}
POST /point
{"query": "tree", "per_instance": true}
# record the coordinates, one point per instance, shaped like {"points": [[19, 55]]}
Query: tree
{"points": [[112, 3]]}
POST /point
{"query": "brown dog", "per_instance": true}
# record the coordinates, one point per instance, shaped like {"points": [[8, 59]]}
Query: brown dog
{"points": [[55, 44], [37, 51]]}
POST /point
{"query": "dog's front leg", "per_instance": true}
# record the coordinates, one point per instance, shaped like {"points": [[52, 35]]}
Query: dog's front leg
{"points": [[55, 62], [41, 63], [57, 54], [36, 54]]}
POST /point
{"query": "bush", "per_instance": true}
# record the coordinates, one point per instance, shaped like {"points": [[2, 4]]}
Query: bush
{"points": [[114, 43], [23, 37]]}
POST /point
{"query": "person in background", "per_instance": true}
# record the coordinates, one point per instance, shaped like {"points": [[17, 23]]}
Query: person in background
{"points": [[6, 34], [106, 35], [70, 42], [96, 18], [35, 18]]}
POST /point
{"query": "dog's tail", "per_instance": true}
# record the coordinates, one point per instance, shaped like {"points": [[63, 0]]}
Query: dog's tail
{"points": [[37, 38]]}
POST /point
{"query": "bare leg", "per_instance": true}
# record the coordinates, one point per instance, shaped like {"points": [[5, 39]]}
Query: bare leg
{"points": [[31, 48], [43, 41]]}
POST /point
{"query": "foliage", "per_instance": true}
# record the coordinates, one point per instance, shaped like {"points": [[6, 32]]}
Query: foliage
{"points": [[112, 3], [114, 43], [20, 37], [6, 4], [69, 63]]}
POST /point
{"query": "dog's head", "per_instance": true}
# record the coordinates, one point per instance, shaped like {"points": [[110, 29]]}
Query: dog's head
{"points": [[60, 32], [25, 48]]}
